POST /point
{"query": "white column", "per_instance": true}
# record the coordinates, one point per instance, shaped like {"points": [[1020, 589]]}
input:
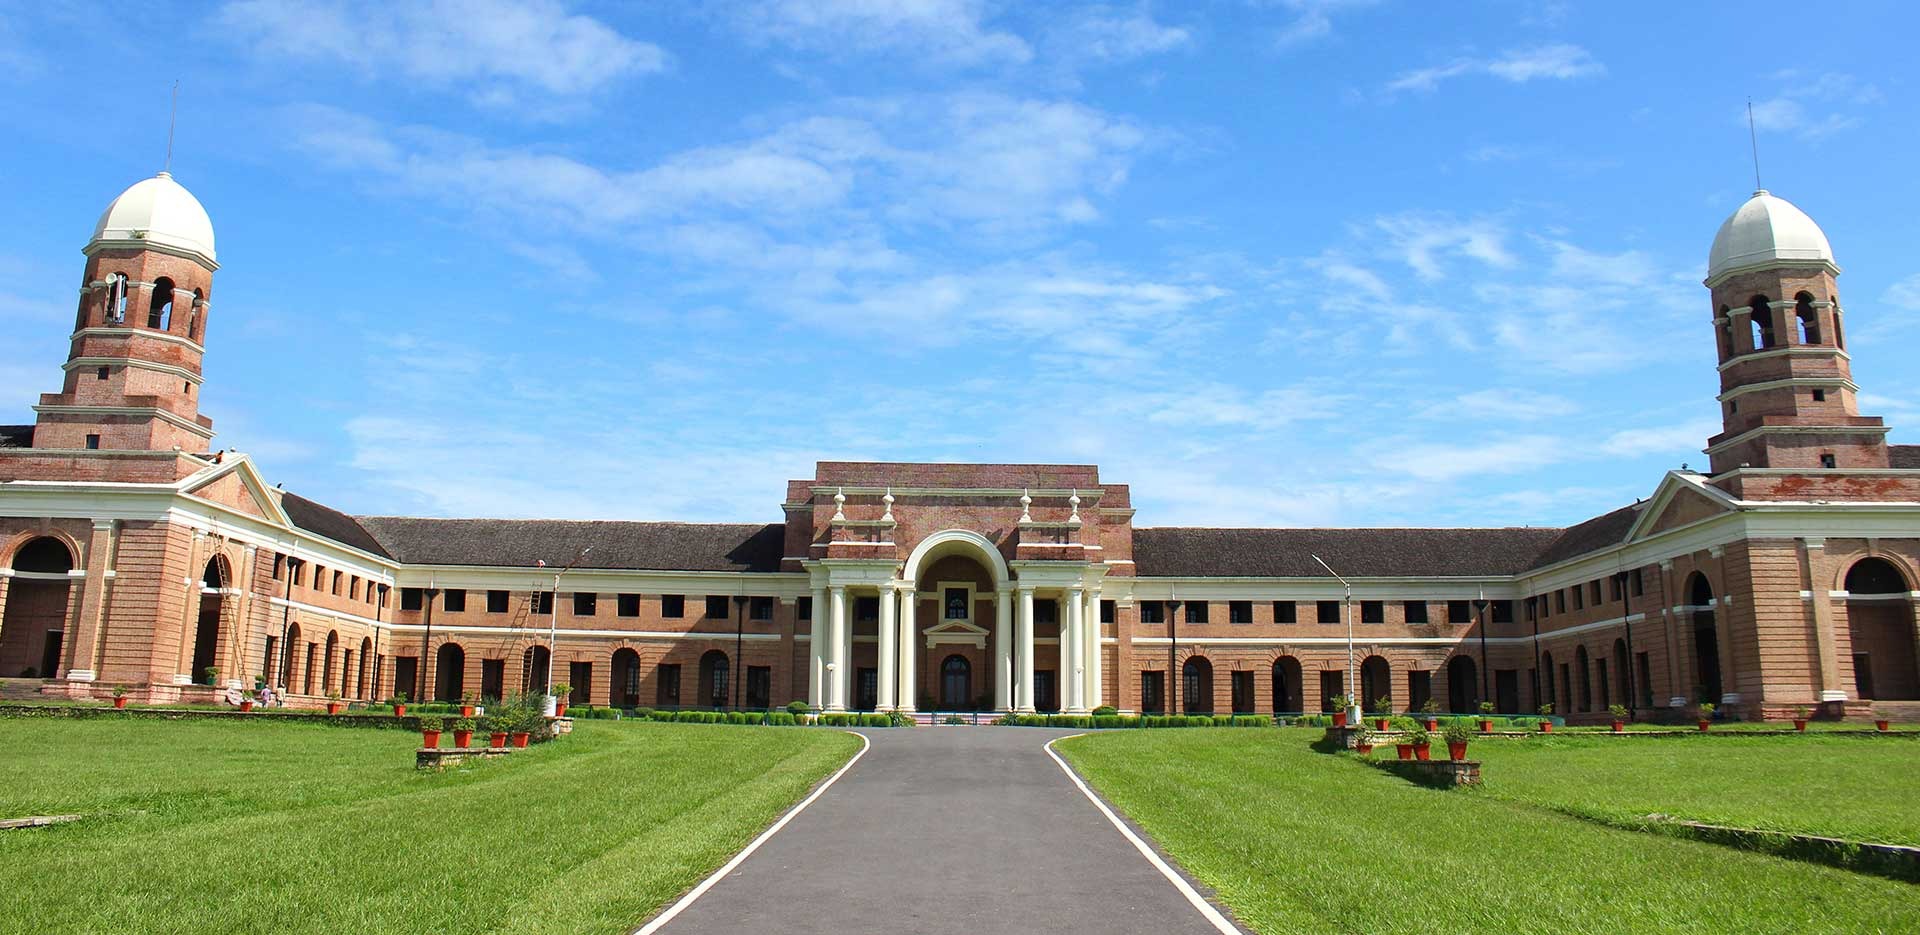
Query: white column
{"points": [[837, 653], [817, 637], [1003, 648], [1023, 649], [909, 649], [886, 656], [1073, 650], [1093, 650]]}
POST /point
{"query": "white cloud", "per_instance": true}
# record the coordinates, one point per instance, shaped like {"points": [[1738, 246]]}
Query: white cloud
{"points": [[1811, 106], [1904, 294], [1504, 405], [1443, 462], [1424, 240], [945, 31], [1554, 61], [1104, 34], [1313, 20], [500, 52], [1684, 439]]}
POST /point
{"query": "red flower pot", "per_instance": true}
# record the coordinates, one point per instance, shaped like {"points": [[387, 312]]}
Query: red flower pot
{"points": [[1433, 724], [1405, 750], [1422, 751], [1363, 748], [520, 739], [399, 710], [1705, 724], [1546, 726], [430, 739], [466, 710], [1379, 723], [246, 706], [1799, 725], [1619, 727], [560, 709], [119, 702], [1882, 725], [333, 707], [1456, 751], [497, 740], [1340, 719], [1486, 726], [463, 738]]}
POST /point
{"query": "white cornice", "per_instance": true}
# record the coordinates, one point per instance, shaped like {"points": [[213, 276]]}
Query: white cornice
{"points": [[82, 363], [148, 411], [128, 331], [1744, 389], [1791, 350], [1760, 430]]}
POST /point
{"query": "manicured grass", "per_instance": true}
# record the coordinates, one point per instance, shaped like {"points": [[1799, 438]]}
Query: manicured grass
{"points": [[217, 826], [1296, 840], [1859, 788]]}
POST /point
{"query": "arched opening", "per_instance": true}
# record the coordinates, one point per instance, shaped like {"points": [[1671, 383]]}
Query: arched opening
{"points": [[327, 673], [449, 672], [626, 679], [1707, 685], [1839, 331], [1196, 677], [1463, 693], [1760, 319], [1886, 666], [1723, 333], [117, 299], [1583, 680], [1548, 694], [534, 668], [33, 631], [1289, 691], [1376, 682], [956, 682], [194, 314], [714, 679], [160, 308], [206, 634], [287, 659], [362, 674], [1807, 319]]}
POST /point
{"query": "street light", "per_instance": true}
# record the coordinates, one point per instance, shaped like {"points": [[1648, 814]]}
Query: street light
{"points": [[553, 617], [1346, 610]]}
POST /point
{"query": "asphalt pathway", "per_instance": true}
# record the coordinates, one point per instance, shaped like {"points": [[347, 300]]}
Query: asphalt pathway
{"points": [[946, 830]]}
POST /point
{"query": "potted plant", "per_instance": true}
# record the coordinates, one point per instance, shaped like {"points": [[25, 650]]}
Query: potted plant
{"points": [[560, 693], [430, 732], [1546, 718], [1706, 715], [1382, 710], [247, 699], [1422, 742], [213, 675], [1457, 736], [1340, 704], [463, 733], [467, 701], [1800, 718], [1619, 712], [1363, 741], [497, 731], [333, 703], [1881, 722], [120, 696], [1486, 717], [1430, 712], [399, 702]]}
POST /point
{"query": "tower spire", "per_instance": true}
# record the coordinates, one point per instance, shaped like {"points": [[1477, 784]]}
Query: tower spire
{"points": [[1753, 139], [173, 111]]}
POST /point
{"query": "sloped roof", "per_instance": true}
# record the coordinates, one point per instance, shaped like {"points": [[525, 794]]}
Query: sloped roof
{"points": [[1905, 456], [331, 523], [16, 436], [1188, 552], [747, 547], [1607, 529]]}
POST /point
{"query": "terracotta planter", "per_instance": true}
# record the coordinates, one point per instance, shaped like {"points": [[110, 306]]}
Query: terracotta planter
{"points": [[1546, 726], [463, 738], [520, 739], [466, 710], [1340, 719], [560, 709], [1422, 751], [399, 710], [1619, 727], [334, 707], [120, 702], [1456, 751], [1405, 750], [246, 706], [1379, 723], [1800, 725], [430, 739], [497, 740], [1363, 748], [1882, 725], [1486, 726], [1705, 724], [1432, 724]]}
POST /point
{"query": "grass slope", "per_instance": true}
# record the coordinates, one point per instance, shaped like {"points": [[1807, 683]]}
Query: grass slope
{"points": [[1295, 840], [250, 827]]}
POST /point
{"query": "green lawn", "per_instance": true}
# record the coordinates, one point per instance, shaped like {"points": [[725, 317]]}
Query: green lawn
{"points": [[1859, 788], [203, 826], [1295, 840]]}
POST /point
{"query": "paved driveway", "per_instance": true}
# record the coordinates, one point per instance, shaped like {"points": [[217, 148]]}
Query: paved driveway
{"points": [[947, 830]]}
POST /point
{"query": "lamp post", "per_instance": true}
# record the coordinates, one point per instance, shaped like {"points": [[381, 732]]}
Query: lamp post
{"points": [[1346, 610], [553, 618], [1173, 652], [280, 674], [1626, 619], [739, 644]]}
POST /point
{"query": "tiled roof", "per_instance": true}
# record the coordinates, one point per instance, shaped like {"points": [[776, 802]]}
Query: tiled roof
{"points": [[1600, 532], [331, 523], [16, 436], [1905, 456], [1354, 553], [748, 547]]}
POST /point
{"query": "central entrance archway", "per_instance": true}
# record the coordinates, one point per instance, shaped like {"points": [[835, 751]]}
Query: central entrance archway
{"points": [[954, 656], [956, 682]]}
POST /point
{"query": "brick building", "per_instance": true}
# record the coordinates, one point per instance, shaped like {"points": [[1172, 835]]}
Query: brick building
{"points": [[133, 554]]}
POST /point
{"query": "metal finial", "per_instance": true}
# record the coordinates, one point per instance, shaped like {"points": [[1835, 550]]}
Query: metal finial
{"points": [[173, 112], [1753, 138]]}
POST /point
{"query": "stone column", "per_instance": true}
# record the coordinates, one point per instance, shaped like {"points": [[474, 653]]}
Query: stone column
{"points": [[1094, 685], [887, 654], [837, 654], [1826, 651], [818, 636], [909, 649], [1723, 630], [1073, 658], [1023, 649], [90, 611], [1003, 648], [1677, 678]]}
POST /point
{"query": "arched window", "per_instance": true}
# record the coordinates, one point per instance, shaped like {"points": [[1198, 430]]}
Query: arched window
{"points": [[193, 314], [1760, 319], [1288, 689], [160, 310], [956, 682], [117, 299], [1198, 685], [1875, 576], [45, 554], [626, 679], [1463, 685], [714, 679], [1808, 318]]}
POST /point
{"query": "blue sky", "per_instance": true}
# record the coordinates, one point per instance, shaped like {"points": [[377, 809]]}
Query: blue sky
{"points": [[1282, 263]]}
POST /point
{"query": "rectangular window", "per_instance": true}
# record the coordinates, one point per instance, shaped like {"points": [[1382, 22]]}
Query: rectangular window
{"points": [[496, 602], [1579, 596], [1613, 587], [1559, 601], [1243, 691], [93, 442], [454, 600], [1826, 460], [1416, 611], [279, 566], [1107, 611], [759, 686], [1643, 673], [493, 678], [1153, 691], [319, 577], [1046, 611], [867, 609], [1330, 688], [1459, 612], [580, 676], [1819, 396], [410, 599], [353, 588], [1329, 611], [759, 608], [1285, 612], [1593, 588], [1196, 611], [542, 602], [1153, 612], [803, 609], [1419, 688], [953, 605], [716, 607], [406, 675], [627, 605], [101, 374], [585, 603], [673, 606], [339, 583], [1239, 611], [1502, 611], [1373, 611], [1636, 583], [667, 680]]}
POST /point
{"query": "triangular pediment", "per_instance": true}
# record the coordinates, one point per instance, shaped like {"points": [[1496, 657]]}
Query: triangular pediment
{"points": [[1682, 499], [236, 485], [956, 626]]}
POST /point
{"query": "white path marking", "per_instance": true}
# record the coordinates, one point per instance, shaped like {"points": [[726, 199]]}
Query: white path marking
{"points": [[674, 910], [1173, 876]]}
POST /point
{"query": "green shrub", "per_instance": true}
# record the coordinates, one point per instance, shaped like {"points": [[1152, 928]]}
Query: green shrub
{"points": [[1105, 710], [736, 717], [1251, 720], [783, 719], [797, 708], [432, 723], [1223, 720], [953, 719]]}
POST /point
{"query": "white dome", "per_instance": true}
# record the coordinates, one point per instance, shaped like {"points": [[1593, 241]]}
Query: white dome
{"points": [[1766, 230], [157, 212]]}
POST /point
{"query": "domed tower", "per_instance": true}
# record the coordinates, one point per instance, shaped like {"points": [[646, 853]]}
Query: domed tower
{"points": [[1787, 397], [133, 372]]}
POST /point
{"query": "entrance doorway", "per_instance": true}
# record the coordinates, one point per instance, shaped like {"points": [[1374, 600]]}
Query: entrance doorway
{"points": [[956, 683]]}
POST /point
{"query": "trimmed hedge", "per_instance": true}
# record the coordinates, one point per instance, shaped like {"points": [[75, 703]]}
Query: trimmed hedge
{"points": [[1113, 721]]}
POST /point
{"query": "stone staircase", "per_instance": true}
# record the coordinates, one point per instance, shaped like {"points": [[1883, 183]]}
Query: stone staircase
{"points": [[20, 689], [1899, 712]]}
